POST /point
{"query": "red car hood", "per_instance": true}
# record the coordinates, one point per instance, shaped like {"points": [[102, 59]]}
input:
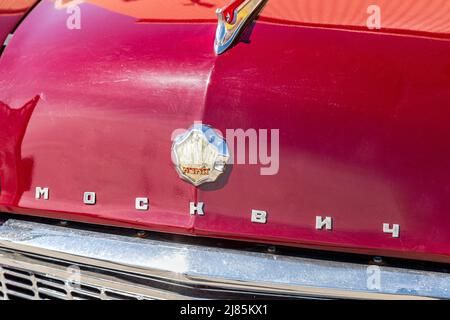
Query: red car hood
{"points": [[363, 119], [11, 12]]}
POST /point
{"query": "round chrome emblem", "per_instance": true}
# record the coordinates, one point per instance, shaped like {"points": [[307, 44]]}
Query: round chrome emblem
{"points": [[200, 155]]}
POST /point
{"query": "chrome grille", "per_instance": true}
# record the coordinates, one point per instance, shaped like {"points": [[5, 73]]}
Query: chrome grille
{"points": [[35, 259], [20, 284], [24, 276]]}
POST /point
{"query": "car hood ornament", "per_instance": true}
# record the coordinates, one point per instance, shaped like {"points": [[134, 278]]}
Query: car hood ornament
{"points": [[200, 155], [232, 21]]}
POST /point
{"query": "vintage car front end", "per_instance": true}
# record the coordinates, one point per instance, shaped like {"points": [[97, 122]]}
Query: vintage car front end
{"points": [[271, 149]]}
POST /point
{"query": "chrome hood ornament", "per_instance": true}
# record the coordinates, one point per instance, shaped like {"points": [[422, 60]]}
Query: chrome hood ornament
{"points": [[232, 21], [200, 155]]}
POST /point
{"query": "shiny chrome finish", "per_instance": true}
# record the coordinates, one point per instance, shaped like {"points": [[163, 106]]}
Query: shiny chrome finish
{"points": [[326, 223], [228, 29], [259, 216], [89, 198], [42, 193], [196, 208], [8, 40], [216, 268], [33, 278], [142, 204], [394, 230], [200, 155]]}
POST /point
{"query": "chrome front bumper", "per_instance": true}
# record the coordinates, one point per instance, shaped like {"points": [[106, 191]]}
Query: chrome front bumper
{"points": [[40, 261]]}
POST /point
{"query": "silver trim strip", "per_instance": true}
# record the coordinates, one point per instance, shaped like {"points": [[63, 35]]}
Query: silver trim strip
{"points": [[92, 279], [8, 39], [220, 268]]}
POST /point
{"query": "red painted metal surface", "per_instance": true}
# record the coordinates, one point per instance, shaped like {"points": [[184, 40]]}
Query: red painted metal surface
{"points": [[11, 12], [7, 24], [363, 116], [229, 11]]}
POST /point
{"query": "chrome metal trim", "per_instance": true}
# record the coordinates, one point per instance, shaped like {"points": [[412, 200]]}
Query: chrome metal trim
{"points": [[50, 279], [89, 198], [259, 216], [326, 223], [204, 149], [8, 39], [142, 204], [197, 208], [227, 31], [394, 230], [42, 193], [220, 268]]}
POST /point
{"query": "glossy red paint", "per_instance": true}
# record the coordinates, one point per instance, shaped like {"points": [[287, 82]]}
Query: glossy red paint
{"points": [[11, 12], [229, 11], [363, 119], [7, 24], [14, 169]]}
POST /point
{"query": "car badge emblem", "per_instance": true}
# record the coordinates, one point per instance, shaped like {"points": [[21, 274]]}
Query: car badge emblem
{"points": [[232, 21], [200, 155]]}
